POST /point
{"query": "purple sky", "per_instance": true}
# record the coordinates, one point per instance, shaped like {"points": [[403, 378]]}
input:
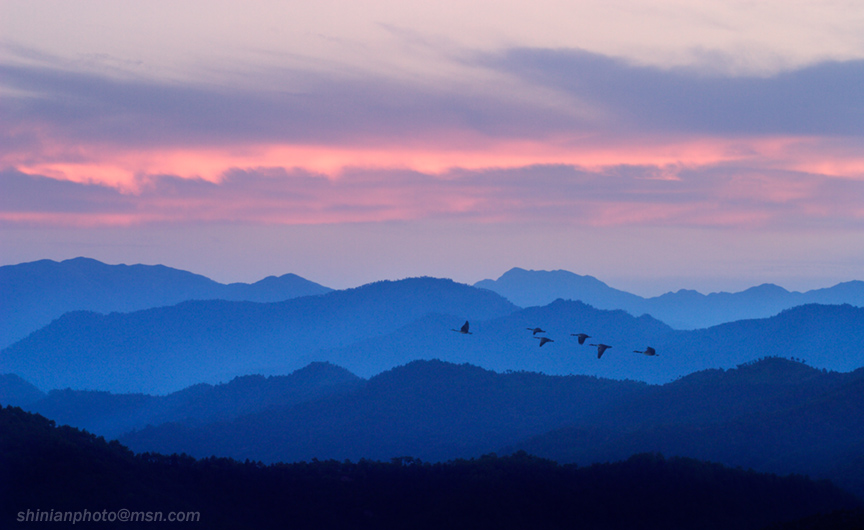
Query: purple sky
{"points": [[655, 145]]}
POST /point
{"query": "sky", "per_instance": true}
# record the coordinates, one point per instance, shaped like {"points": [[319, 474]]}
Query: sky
{"points": [[656, 145]]}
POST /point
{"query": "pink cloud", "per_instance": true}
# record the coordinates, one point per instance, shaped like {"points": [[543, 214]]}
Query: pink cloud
{"points": [[677, 149], [123, 167], [722, 193]]}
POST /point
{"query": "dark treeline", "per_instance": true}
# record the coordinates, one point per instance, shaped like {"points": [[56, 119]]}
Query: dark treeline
{"points": [[775, 416], [47, 467]]}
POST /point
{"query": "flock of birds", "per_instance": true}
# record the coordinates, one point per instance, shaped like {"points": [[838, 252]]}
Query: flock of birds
{"points": [[601, 348]]}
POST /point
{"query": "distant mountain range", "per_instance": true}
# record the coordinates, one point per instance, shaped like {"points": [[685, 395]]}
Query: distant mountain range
{"points": [[164, 349], [684, 309], [505, 343], [772, 415], [38, 292], [379, 326], [826, 336]]}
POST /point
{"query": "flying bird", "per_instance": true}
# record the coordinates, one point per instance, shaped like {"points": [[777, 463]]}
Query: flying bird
{"points": [[535, 330], [648, 351], [581, 337], [600, 349], [544, 340], [463, 330]]}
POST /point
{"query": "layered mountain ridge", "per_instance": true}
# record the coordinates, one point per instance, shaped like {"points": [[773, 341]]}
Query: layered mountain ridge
{"points": [[36, 293], [682, 309]]}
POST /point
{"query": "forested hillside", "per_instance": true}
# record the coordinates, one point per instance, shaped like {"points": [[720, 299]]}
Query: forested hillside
{"points": [[63, 469]]}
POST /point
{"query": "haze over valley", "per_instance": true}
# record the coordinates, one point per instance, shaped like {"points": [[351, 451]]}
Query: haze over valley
{"points": [[377, 371]]}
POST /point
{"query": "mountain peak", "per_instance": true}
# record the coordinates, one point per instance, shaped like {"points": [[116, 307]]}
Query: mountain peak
{"points": [[323, 370], [775, 367], [527, 288], [16, 391], [36, 293], [767, 290], [557, 274]]}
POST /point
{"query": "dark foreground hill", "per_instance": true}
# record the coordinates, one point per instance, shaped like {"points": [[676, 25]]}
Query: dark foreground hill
{"points": [[36, 293], [65, 470], [165, 349], [683, 309], [773, 415]]}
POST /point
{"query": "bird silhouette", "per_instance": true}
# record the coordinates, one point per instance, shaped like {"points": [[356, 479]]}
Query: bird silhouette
{"points": [[648, 351], [535, 330], [600, 349], [581, 337], [544, 340], [463, 330]]}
